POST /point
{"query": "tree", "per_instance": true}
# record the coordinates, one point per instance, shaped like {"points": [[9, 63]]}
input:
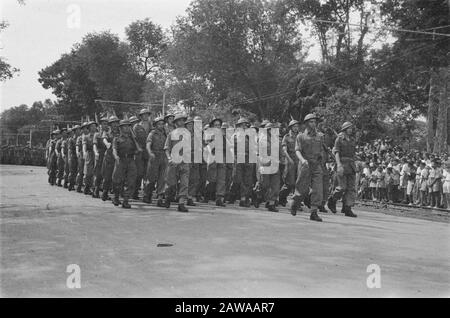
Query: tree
{"points": [[148, 45], [235, 46], [6, 70]]}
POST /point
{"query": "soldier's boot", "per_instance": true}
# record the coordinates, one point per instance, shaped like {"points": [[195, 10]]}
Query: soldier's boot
{"points": [[219, 202], [323, 209], [283, 196], [307, 201], [136, 194], [59, 183], [272, 208], [314, 216], [105, 196], [244, 203], [294, 206], [148, 189], [190, 202], [167, 202], [71, 187], [331, 204], [65, 185], [125, 204], [87, 189], [160, 203], [348, 212], [79, 188], [116, 200], [96, 193], [182, 208]]}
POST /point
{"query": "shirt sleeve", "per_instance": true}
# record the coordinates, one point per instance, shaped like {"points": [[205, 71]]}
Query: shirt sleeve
{"points": [[337, 145], [167, 144], [298, 143]]}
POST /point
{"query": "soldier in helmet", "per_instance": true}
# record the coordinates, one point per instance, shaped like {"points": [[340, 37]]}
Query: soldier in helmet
{"points": [[169, 120], [142, 156], [270, 182], [291, 161], [64, 154], [124, 151], [99, 153], [80, 155], [176, 172], [157, 164], [215, 171], [308, 148], [194, 168], [52, 157], [243, 172], [109, 160], [344, 151], [89, 157], [72, 156], [60, 159]]}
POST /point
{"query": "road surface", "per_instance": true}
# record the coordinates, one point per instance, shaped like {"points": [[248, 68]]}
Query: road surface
{"points": [[226, 252]]}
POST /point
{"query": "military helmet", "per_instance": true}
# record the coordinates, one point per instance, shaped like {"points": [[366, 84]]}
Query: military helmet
{"points": [[144, 111], [293, 122], [179, 116], [269, 125], [85, 124], [104, 119], [264, 123], [133, 119], [346, 125], [242, 120], [63, 130], [225, 125], [56, 132], [124, 122], [215, 119], [189, 120], [69, 130], [168, 115], [206, 127], [113, 119], [197, 118], [92, 122], [309, 117], [76, 127], [158, 119]]}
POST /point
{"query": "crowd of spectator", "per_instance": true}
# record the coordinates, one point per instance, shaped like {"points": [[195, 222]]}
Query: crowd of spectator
{"points": [[387, 173]]}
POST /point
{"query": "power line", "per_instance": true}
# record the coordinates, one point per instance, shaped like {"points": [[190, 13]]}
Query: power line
{"points": [[379, 28]]}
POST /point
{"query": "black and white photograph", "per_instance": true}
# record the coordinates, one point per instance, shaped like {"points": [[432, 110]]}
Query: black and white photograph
{"points": [[224, 155]]}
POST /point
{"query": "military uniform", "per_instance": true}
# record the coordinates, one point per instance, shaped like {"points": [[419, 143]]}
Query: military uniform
{"points": [[73, 162], [80, 164], [89, 162], [141, 157], [345, 146], [194, 172], [215, 177], [52, 161], [98, 166], [270, 182], [59, 162], [157, 165], [108, 162], [290, 169], [176, 172], [65, 151], [125, 172]]}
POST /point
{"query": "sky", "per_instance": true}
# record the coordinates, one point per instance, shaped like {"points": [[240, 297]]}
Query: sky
{"points": [[40, 31]]}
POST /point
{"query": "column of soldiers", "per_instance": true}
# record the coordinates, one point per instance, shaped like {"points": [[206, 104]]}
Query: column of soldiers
{"points": [[22, 155], [120, 157]]}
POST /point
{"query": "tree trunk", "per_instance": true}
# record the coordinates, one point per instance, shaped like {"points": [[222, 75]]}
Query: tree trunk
{"points": [[433, 100], [440, 144]]}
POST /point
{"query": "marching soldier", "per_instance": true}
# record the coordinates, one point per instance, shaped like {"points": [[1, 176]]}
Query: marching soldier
{"points": [[176, 172], [215, 171], [109, 160], [169, 120], [60, 159], [291, 161], [144, 116], [157, 165], [308, 148], [52, 157], [243, 172], [344, 151], [72, 156], [80, 155], [270, 182], [65, 153], [99, 153], [142, 156], [124, 151], [194, 168], [228, 166], [89, 157]]}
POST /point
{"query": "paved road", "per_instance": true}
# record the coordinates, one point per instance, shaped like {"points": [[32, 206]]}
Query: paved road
{"points": [[226, 252]]}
